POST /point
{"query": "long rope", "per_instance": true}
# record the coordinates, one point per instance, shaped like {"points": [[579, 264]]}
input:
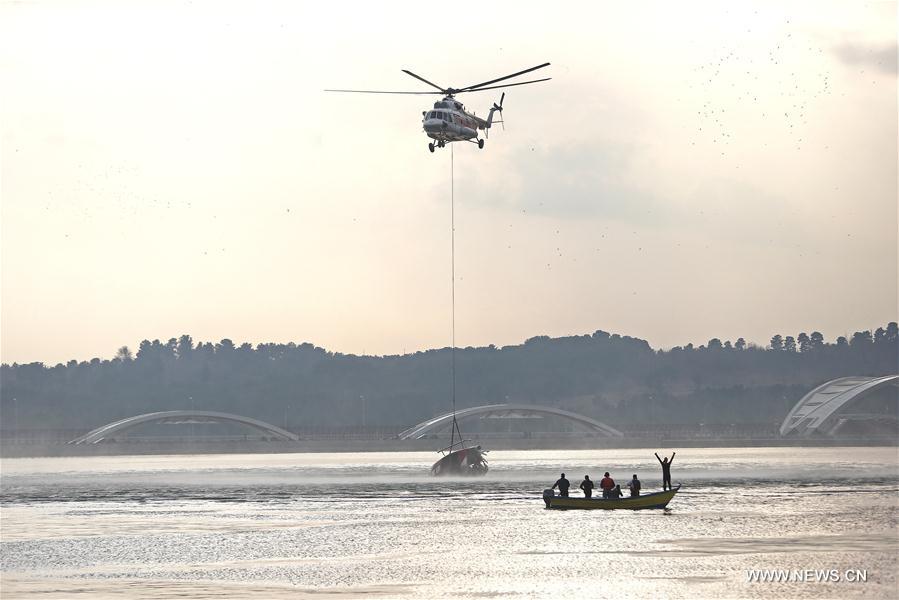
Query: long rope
{"points": [[453, 286]]}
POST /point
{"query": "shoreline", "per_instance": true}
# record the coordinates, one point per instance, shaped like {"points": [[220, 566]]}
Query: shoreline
{"points": [[37, 450]]}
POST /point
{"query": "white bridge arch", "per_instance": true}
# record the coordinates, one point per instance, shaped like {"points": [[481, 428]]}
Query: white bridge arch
{"points": [[504, 411], [818, 410], [177, 417]]}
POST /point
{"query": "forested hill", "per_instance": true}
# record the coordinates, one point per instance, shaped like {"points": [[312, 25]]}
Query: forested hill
{"points": [[618, 379]]}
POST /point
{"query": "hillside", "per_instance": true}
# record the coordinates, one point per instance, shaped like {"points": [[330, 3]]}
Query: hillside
{"points": [[618, 379]]}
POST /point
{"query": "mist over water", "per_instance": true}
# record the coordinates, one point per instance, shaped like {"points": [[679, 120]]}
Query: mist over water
{"points": [[376, 524]]}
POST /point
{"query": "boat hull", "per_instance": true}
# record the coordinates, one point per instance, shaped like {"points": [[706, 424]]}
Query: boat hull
{"points": [[465, 461], [646, 501]]}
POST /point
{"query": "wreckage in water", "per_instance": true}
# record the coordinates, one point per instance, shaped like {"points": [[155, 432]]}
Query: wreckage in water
{"points": [[460, 458], [464, 460]]}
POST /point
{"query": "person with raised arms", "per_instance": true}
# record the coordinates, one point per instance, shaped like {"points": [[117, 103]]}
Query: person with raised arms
{"points": [[666, 470]]}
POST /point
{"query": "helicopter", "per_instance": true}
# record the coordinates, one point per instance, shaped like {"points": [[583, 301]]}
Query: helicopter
{"points": [[449, 121]]}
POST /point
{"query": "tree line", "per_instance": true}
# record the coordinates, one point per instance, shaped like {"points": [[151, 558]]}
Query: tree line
{"points": [[615, 378]]}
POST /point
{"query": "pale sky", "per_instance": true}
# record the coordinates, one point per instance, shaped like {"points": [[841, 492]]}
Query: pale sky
{"points": [[693, 170]]}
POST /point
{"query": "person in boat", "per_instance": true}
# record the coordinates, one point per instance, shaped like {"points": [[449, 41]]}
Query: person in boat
{"points": [[587, 486], [615, 493], [606, 484], [634, 486], [666, 470], [563, 485]]}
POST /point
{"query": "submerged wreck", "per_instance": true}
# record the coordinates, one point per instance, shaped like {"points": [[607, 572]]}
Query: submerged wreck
{"points": [[460, 458], [463, 460]]}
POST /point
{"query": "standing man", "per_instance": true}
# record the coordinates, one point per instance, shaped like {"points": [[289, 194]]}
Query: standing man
{"points": [[587, 486], [634, 485], [563, 485], [666, 470], [606, 484]]}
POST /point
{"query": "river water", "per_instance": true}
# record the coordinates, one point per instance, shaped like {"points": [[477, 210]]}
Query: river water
{"points": [[375, 525]]}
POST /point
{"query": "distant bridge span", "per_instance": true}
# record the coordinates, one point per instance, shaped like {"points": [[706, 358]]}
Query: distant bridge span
{"points": [[505, 410], [818, 409], [181, 416]]}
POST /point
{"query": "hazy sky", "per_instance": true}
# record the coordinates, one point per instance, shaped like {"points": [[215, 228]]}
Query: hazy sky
{"points": [[693, 170]]}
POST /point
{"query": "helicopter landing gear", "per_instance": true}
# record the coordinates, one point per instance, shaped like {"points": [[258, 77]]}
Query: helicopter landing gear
{"points": [[431, 148], [481, 144], [441, 144]]}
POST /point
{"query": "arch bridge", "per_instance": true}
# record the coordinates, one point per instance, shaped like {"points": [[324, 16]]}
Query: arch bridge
{"points": [[178, 417], [823, 410], [505, 411]]}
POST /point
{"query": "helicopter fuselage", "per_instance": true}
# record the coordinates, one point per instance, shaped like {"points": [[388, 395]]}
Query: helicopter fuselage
{"points": [[450, 122]]}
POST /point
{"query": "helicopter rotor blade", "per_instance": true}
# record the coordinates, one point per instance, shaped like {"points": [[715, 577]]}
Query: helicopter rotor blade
{"points": [[478, 85], [379, 92], [505, 85], [442, 90]]}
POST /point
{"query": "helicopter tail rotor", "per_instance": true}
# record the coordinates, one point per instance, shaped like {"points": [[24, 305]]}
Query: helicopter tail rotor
{"points": [[497, 108]]}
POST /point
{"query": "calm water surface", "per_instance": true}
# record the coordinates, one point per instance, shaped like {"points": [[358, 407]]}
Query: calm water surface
{"points": [[375, 525]]}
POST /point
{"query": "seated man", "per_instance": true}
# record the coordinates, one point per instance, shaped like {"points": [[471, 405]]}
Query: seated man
{"points": [[615, 493], [634, 486]]}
